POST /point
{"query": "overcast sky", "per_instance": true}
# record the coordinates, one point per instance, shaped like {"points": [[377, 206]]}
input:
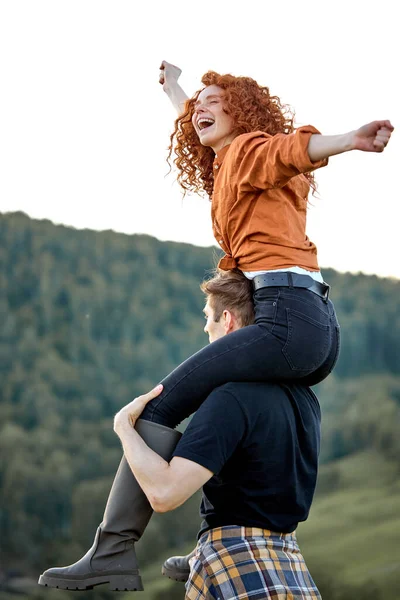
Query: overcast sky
{"points": [[85, 124]]}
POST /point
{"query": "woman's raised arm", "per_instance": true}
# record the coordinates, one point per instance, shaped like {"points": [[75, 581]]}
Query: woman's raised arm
{"points": [[372, 137], [169, 75]]}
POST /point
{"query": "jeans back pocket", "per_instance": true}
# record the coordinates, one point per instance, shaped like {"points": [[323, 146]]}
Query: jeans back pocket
{"points": [[307, 343]]}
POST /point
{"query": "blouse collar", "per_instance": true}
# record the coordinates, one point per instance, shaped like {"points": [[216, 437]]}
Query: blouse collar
{"points": [[219, 157]]}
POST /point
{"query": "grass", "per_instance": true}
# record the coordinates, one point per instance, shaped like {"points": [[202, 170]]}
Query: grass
{"points": [[352, 532]]}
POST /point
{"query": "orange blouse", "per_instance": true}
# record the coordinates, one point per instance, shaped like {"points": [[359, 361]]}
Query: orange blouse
{"points": [[259, 202]]}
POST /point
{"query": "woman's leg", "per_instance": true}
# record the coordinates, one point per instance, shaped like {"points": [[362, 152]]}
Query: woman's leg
{"points": [[112, 557], [292, 339], [329, 364]]}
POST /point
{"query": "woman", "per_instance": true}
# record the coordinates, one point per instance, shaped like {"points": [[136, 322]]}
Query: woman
{"points": [[237, 143]]}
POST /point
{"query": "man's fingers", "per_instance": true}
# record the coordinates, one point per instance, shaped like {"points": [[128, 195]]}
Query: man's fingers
{"points": [[141, 401], [152, 394], [145, 398], [135, 408]]}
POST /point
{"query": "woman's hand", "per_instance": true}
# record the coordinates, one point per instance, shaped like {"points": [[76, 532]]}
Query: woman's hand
{"points": [[169, 75], [128, 415], [372, 137]]}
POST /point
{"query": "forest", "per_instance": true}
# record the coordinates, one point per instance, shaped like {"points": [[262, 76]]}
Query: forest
{"points": [[88, 321]]}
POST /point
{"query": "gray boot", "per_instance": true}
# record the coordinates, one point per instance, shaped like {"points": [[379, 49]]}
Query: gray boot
{"points": [[177, 567], [112, 558]]}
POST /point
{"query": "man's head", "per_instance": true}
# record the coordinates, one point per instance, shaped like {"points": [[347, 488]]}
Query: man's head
{"points": [[229, 305]]}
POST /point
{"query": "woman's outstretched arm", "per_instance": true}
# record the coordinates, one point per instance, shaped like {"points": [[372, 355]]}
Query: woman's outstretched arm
{"points": [[372, 137], [169, 75]]}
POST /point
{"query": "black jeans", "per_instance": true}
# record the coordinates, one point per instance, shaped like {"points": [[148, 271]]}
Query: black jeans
{"points": [[296, 336]]}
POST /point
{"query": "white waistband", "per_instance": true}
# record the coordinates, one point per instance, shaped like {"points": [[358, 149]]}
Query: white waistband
{"points": [[314, 274]]}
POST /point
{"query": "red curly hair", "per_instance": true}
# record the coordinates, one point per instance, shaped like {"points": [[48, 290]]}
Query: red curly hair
{"points": [[252, 108]]}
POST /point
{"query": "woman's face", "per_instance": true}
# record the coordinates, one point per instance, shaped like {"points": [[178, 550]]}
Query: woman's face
{"points": [[213, 125]]}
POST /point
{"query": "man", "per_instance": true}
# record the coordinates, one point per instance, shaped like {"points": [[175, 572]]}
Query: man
{"points": [[112, 557], [253, 447]]}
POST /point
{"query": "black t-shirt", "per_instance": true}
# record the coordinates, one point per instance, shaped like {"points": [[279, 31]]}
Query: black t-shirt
{"points": [[262, 442]]}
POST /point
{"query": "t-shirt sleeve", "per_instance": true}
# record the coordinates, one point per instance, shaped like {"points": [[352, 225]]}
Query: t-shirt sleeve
{"points": [[265, 161], [214, 432]]}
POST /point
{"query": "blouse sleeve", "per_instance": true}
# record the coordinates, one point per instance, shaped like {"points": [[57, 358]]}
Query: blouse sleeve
{"points": [[264, 161]]}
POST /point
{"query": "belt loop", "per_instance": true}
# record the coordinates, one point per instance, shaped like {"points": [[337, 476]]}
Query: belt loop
{"points": [[290, 279], [327, 292]]}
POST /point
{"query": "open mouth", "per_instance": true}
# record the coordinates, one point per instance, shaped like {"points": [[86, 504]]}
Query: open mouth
{"points": [[204, 123]]}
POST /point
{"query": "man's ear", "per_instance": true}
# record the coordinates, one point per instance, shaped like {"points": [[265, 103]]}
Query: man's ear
{"points": [[230, 323]]}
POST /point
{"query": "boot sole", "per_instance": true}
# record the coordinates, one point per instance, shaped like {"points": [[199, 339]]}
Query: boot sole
{"points": [[181, 576], [123, 583]]}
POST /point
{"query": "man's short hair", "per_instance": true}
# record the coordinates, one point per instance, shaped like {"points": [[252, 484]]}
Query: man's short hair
{"points": [[230, 290]]}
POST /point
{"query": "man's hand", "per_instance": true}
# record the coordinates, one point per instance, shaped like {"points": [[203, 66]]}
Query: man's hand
{"points": [[169, 75], [129, 414], [372, 137]]}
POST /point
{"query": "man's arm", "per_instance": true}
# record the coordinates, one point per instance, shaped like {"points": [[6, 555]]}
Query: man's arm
{"points": [[169, 75], [370, 138], [166, 485]]}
